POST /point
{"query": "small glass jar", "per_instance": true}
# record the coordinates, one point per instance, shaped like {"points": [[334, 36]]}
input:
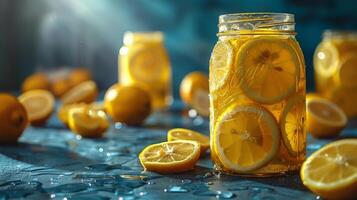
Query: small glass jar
{"points": [[143, 61], [335, 64], [257, 95]]}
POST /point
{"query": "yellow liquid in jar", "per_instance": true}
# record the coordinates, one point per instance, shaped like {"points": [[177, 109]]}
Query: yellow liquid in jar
{"points": [[143, 61], [335, 62], [257, 113]]}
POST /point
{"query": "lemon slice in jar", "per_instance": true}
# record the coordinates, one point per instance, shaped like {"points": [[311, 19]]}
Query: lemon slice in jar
{"points": [[220, 65], [347, 72], [146, 64], [292, 123], [246, 138], [326, 59], [268, 69]]}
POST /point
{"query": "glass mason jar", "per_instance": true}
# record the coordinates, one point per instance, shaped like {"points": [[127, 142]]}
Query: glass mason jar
{"points": [[143, 61], [335, 64], [257, 95]]}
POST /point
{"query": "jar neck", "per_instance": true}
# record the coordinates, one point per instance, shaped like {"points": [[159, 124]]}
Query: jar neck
{"points": [[256, 24], [340, 34], [131, 38]]}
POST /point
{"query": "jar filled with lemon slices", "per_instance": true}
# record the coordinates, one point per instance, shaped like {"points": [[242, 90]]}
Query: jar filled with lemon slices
{"points": [[335, 64], [257, 95], [143, 61]]}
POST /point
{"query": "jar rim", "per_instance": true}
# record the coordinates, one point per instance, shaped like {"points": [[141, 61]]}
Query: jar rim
{"points": [[131, 37], [257, 21], [328, 33]]}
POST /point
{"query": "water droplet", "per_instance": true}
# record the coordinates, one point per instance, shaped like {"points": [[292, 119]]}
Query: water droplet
{"points": [[100, 149], [224, 195], [151, 183], [53, 196], [118, 125], [142, 193], [175, 189], [192, 113], [78, 137], [318, 197], [262, 189], [186, 181], [209, 183], [198, 121]]}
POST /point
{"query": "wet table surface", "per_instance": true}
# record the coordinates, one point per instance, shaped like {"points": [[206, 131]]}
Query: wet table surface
{"points": [[52, 162]]}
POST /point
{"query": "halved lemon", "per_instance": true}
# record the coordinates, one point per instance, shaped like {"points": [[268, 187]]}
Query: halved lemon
{"points": [[220, 64], [246, 138], [292, 125], [147, 63], [331, 172], [346, 75], [64, 110], [170, 157], [88, 123], [269, 69], [85, 92], [324, 118], [326, 59], [39, 105], [186, 134]]}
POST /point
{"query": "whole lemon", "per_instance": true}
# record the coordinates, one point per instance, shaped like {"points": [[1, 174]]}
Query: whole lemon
{"points": [[37, 81], [13, 119], [127, 104], [192, 83], [79, 75]]}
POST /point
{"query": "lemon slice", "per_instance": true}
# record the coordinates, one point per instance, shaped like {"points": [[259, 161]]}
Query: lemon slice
{"points": [[326, 59], [269, 69], [146, 64], [170, 157], [87, 123], [292, 123], [246, 138], [85, 92], [39, 105], [220, 64], [331, 172], [186, 134], [346, 74], [64, 110], [324, 118]]}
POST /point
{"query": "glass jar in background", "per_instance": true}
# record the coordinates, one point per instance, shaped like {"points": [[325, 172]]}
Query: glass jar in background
{"points": [[335, 64], [257, 95], [143, 61]]}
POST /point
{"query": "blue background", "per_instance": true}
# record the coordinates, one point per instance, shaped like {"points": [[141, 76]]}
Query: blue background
{"points": [[40, 34]]}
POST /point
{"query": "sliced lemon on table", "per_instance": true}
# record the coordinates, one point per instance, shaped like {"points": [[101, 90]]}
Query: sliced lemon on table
{"points": [[292, 125], [170, 157], [269, 69], [220, 64], [85, 92], [246, 138], [64, 110], [39, 105], [346, 75], [331, 172], [186, 134], [88, 123], [326, 59], [324, 118]]}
